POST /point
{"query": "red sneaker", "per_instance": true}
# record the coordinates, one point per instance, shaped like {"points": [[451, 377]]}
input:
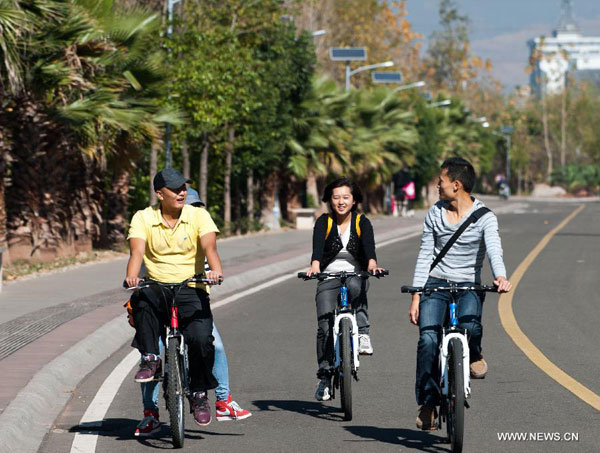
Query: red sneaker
{"points": [[149, 424], [230, 410]]}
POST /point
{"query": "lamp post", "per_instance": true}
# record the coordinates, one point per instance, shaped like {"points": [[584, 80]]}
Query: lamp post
{"points": [[507, 132], [170, 5], [418, 84]]}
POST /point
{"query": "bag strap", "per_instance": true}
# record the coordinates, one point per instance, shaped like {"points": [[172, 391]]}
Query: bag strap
{"points": [[474, 217], [330, 225]]}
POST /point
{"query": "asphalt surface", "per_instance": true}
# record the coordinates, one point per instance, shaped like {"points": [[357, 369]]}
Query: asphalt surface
{"points": [[269, 338]]}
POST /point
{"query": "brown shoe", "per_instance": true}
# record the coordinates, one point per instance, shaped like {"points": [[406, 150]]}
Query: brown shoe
{"points": [[479, 369], [426, 420]]}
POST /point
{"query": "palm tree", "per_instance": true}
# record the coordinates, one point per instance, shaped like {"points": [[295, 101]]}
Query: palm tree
{"points": [[318, 145], [89, 100], [383, 138]]}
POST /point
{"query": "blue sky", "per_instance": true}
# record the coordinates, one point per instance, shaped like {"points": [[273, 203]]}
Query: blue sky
{"points": [[499, 29]]}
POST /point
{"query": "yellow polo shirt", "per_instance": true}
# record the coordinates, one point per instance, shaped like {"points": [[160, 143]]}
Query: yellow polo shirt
{"points": [[172, 255]]}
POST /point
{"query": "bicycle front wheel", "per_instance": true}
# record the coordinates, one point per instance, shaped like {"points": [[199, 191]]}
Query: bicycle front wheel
{"points": [[175, 399], [346, 367], [456, 397]]}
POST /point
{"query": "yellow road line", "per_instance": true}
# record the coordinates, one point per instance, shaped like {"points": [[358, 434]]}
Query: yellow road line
{"points": [[513, 330]]}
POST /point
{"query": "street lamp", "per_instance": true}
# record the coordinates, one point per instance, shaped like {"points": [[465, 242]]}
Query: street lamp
{"points": [[440, 103], [349, 73], [418, 84], [348, 54], [170, 5], [482, 120]]}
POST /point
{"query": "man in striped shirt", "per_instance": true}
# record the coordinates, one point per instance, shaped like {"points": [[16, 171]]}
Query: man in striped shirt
{"points": [[462, 264]]}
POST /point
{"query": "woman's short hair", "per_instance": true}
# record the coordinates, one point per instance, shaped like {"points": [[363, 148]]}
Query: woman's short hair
{"points": [[341, 182]]}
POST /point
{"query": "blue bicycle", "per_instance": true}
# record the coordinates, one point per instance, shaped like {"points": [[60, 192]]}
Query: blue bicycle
{"points": [[345, 337]]}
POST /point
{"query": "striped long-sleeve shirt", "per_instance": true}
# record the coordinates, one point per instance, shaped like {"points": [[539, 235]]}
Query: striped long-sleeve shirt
{"points": [[464, 260]]}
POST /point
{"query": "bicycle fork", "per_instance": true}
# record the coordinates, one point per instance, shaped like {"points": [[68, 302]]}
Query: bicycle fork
{"points": [[182, 349], [462, 337]]}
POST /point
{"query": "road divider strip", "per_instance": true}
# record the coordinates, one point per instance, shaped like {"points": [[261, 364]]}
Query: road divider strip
{"points": [[511, 326]]}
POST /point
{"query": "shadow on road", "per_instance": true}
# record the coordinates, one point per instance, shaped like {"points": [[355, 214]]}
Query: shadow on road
{"points": [[314, 409], [123, 429], [409, 438]]}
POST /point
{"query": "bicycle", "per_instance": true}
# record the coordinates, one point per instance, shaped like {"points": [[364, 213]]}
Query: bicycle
{"points": [[345, 337], [454, 366], [176, 370]]}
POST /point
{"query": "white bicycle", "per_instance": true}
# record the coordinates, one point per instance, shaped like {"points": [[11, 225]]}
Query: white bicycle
{"points": [[455, 377], [345, 337]]}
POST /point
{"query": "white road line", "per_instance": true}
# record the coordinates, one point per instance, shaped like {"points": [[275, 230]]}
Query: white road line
{"points": [[85, 441]]}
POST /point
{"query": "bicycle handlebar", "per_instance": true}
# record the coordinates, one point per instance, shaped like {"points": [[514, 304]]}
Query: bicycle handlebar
{"points": [[343, 274], [144, 283], [451, 288]]}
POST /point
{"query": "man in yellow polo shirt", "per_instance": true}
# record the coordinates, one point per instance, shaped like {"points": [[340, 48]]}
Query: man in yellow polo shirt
{"points": [[172, 239]]}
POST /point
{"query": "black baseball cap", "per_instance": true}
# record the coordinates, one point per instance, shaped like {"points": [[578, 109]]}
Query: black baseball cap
{"points": [[169, 178]]}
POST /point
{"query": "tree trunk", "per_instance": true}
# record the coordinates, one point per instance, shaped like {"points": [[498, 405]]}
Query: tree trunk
{"points": [[283, 196], [312, 191], [117, 205], [3, 239], [546, 139], [185, 154], [227, 179], [250, 200], [563, 125], [268, 217], [237, 209], [153, 171], [203, 172]]}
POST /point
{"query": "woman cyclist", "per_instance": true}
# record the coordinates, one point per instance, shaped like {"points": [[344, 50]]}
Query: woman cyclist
{"points": [[343, 240]]}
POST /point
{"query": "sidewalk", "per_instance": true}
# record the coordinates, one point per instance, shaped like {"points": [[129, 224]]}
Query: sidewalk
{"points": [[50, 356]]}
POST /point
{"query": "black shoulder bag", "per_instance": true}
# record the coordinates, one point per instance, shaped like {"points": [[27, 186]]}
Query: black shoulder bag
{"points": [[474, 217]]}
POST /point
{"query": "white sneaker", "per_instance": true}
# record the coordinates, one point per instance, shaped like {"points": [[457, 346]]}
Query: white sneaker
{"points": [[323, 392], [364, 344]]}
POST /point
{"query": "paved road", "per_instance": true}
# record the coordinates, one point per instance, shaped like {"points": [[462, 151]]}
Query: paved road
{"points": [[269, 338]]}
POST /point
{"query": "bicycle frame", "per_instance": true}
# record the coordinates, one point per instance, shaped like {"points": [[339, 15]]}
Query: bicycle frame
{"points": [[448, 334], [172, 331]]}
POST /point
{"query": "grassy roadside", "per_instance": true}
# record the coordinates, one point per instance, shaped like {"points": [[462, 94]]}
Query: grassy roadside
{"points": [[22, 268]]}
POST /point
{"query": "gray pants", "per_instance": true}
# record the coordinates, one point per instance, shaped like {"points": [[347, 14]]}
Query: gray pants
{"points": [[327, 296]]}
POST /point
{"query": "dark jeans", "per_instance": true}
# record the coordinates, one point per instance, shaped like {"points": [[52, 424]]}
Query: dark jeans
{"points": [[432, 314], [151, 313], [327, 296]]}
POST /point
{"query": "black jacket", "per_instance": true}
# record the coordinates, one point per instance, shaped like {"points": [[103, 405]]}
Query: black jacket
{"points": [[362, 249]]}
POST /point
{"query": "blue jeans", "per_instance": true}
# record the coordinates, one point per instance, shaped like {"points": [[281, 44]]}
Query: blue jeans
{"points": [[220, 371], [432, 314]]}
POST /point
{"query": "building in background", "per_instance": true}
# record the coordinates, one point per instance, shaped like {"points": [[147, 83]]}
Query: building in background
{"points": [[568, 53]]}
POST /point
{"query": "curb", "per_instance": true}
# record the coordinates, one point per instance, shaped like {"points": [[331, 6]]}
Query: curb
{"points": [[31, 414]]}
